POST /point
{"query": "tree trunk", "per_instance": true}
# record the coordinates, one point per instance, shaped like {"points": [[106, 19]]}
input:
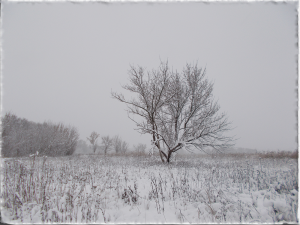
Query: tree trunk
{"points": [[161, 156], [161, 153], [169, 156]]}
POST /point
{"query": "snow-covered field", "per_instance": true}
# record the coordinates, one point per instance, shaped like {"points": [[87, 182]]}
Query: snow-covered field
{"points": [[194, 189]]}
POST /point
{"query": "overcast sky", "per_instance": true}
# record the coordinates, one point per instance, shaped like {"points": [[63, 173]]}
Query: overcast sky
{"points": [[61, 61]]}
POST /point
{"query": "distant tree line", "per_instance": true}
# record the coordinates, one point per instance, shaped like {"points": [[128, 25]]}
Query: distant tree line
{"points": [[107, 145], [21, 137]]}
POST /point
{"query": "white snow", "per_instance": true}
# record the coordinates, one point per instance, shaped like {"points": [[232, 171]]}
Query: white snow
{"points": [[98, 189]]}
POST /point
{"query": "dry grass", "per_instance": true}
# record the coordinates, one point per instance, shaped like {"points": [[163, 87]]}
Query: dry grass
{"points": [[279, 155], [89, 188]]}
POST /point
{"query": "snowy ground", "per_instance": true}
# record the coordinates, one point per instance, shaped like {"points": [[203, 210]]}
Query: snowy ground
{"points": [[97, 189]]}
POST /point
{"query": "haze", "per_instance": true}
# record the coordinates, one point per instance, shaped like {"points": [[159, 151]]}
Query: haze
{"points": [[61, 61]]}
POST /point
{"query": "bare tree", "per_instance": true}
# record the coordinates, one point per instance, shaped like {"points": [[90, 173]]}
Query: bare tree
{"points": [[124, 147], [117, 144], [93, 140], [65, 140], [107, 143], [140, 148], [82, 147], [151, 98], [21, 137], [178, 110]]}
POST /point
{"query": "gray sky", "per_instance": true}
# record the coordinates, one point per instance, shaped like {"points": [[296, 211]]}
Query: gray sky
{"points": [[61, 61]]}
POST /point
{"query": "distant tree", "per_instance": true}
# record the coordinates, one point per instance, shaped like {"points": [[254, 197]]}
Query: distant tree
{"points": [[117, 144], [21, 137], [17, 136], [66, 138], [140, 148], [93, 140], [177, 110], [124, 147], [82, 147], [107, 143]]}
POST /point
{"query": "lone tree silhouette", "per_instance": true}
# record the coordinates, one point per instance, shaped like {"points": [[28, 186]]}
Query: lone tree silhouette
{"points": [[177, 109], [107, 143], [93, 140]]}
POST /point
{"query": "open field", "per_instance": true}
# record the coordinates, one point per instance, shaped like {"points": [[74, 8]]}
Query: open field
{"points": [[132, 189]]}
